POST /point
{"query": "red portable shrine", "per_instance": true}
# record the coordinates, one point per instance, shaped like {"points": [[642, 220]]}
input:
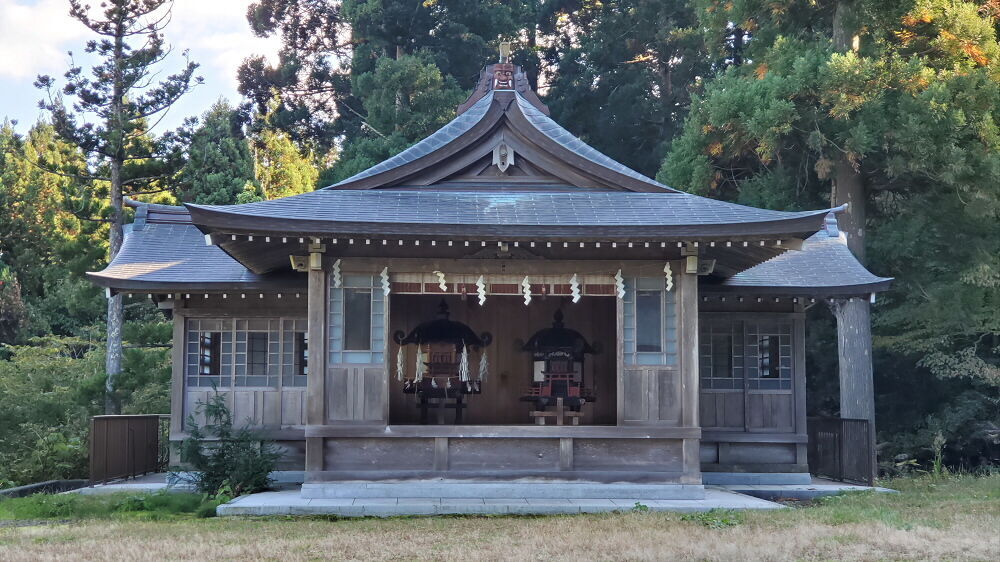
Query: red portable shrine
{"points": [[442, 376], [558, 355]]}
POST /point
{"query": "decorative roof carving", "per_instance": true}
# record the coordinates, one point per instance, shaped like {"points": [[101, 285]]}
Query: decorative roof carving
{"points": [[503, 76]]}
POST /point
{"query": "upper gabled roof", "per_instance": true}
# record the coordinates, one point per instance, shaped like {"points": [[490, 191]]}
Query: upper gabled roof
{"points": [[514, 118]]}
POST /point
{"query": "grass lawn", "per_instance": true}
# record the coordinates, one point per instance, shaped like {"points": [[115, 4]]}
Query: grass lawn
{"points": [[933, 518]]}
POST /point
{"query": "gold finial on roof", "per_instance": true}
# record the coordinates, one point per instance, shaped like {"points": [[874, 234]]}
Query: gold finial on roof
{"points": [[505, 51]]}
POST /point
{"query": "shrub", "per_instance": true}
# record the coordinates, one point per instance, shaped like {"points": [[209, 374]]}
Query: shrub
{"points": [[227, 461]]}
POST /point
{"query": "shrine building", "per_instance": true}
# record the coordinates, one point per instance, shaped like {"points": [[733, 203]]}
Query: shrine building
{"points": [[499, 302]]}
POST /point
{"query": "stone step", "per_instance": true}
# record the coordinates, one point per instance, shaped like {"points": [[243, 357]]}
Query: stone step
{"points": [[500, 490], [291, 503]]}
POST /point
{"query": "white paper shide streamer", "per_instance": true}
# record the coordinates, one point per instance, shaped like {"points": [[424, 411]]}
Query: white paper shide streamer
{"points": [[620, 284], [526, 289], [574, 288], [400, 363], [421, 367], [441, 282], [337, 278], [463, 364], [481, 290], [669, 274], [484, 365], [385, 280]]}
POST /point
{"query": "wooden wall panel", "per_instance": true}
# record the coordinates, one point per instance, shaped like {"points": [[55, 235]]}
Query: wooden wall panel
{"points": [[503, 454], [771, 411], [379, 454], [356, 393], [722, 410], [660, 455], [635, 385], [670, 399], [652, 395], [293, 406]]}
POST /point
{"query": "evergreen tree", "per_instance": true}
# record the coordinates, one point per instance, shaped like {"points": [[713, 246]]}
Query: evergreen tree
{"points": [[622, 72], [109, 118], [46, 246], [219, 164], [281, 168], [319, 101], [894, 106], [405, 100]]}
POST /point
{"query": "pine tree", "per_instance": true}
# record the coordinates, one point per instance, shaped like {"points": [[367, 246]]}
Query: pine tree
{"points": [[109, 119], [219, 164], [622, 72]]}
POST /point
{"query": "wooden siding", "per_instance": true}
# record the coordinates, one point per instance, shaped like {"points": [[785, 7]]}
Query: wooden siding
{"points": [[277, 408]]}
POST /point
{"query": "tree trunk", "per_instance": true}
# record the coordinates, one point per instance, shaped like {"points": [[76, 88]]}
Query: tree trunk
{"points": [[849, 187], [116, 309], [854, 335], [116, 151]]}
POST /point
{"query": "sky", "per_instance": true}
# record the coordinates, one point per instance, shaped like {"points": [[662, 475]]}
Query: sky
{"points": [[35, 36]]}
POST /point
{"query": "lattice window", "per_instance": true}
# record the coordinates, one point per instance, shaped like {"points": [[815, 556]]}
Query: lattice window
{"points": [[769, 355], [650, 315], [721, 354], [357, 320], [209, 353], [734, 353], [294, 353], [258, 352]]}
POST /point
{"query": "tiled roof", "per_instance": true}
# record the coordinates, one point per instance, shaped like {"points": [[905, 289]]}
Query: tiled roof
{"points": [[174, 254], [588, 212], [557, 133], [455, 128], [824, 266]]}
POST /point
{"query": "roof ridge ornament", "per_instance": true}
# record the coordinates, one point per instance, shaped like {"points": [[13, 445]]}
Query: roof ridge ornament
{"points": [[503, 76], [830, 225]]}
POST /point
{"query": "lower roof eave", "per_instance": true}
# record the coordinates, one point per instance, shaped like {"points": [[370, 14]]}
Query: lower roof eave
{"points": [[751, 232], [843, 291], [145, 286]]}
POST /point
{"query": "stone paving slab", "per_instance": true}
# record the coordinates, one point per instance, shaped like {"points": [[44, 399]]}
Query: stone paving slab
{"points": [[803, 492], [290, 502]]}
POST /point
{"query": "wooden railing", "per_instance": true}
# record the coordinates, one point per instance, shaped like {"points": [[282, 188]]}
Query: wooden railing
{"points": [[127, 446], [842, 449]]}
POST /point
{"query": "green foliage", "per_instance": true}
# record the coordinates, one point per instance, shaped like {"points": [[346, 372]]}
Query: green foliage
{"points": [[219, 165], [48, 390], [158, 505], [715, 518], [44, 245], [280, 167], [622, 73], [227, 462], [914, 109], [318, 102], [51, 387], [406, 99]]}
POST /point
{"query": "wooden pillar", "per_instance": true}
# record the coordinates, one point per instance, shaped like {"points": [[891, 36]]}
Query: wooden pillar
{"points": [[177, 383], [316, 383], [687, 358]]}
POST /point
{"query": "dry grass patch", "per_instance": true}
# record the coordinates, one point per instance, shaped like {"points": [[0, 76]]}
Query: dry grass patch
{"points": [[954, 519]]}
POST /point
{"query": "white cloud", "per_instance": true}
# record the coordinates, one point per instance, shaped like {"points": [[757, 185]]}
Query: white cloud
{"points": [[34, 37]]}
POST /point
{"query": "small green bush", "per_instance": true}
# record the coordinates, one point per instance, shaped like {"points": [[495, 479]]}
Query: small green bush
{"points": [[231, 462], [715, 518]]}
